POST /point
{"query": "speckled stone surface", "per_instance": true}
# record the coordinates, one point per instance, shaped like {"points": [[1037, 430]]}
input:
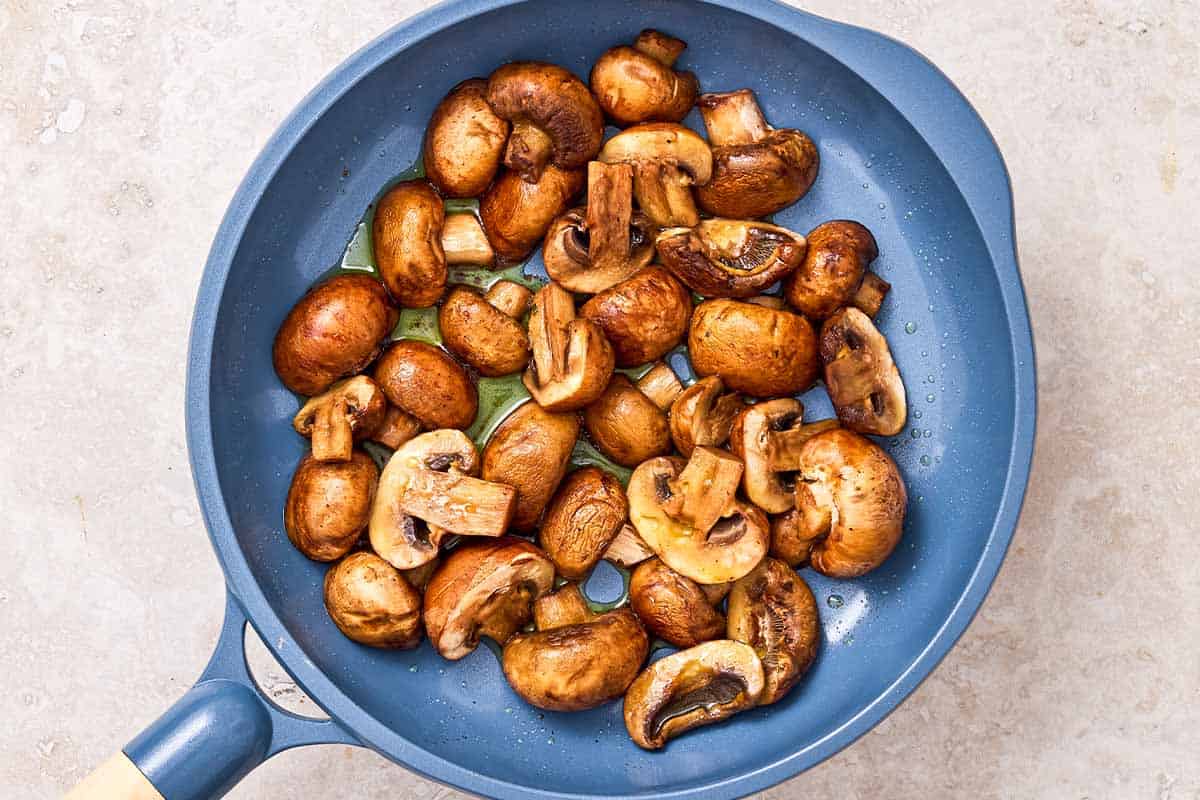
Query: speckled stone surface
{"points": [[125, 126]]}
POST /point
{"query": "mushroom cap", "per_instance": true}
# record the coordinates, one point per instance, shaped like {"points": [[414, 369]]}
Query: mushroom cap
{"points": [[565, 253], [756, 180], [632, 87], [673, 607], [372, 603], [329, 504], [643, 317], [482, 335], [703, 414], [580, 666], [773, 610], [662, 143], [348, 411], [407, 239], [516, 214], [792, 538], [581, 521], [698, 686], [851, 493], [626, 425], [464, 142], [530, 452], [861, 376], [730, 258], [761, 351], [335, 330], [752, 439], [484, 588], [839, 253], [423, 381]]}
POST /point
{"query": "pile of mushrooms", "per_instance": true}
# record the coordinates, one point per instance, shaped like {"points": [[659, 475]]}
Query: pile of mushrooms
{"points": [[652, 237]]}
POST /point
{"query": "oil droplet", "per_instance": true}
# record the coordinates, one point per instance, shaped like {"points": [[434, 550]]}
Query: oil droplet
{"points": [[925, 462], [928, 434], [508, 711], [550, 740], [920, 498], [910, 327], [414, 668], [882, 206], [929, 398], [917, 414], [849, 639], [835, 601], [916, 434], [931, 378]]}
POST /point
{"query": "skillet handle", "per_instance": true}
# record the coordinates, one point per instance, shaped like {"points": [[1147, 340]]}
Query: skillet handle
{"points": [[211, 738]]}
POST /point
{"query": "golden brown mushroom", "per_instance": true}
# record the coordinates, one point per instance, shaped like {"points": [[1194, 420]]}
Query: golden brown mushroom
{"points": [[572, 360], [530, 451], [396, 428], [486, 337], [637, 84], [581, 521], [729, 257], [768, 438], [643, 317], [329, 504], [348, 411], [418, 577], [372, 603], [761, 351], [564, 606], [627, 548], [464, 141], [861, 376], [516, 214], [668, 159], [423, 381], [835, 273], [703, 414], [673, 607], [626, 425]]}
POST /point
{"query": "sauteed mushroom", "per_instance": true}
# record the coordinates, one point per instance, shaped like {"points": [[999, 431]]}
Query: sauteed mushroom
{"points": [[626, 424], [572, 361], [757, 350], [628, 549], [637, 84], [768, 438], [861, 376], [642, 317], [668, 159], [487, 337], [703, 415], [328, 505], [582, 520], [834, 272], [423, 381], [346, 412], [565, 606], [661, 385], [730, 258], [530, 452], [372, 603], [396, 429], [516, 213], [673, 607], [418, 577], [464, 141]]}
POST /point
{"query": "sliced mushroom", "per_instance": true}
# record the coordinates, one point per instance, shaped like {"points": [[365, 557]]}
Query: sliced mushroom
{"points": [[572, 361], [703, 415], [464, 141], [668, 159], [637, 84], [834, 272], [627, 548], [575, 667], [329, 504], [643, 317], [565, 606], [792, 538], [730, 258], [757, 170], [511, 298], [484, 588], [661, 385], [418, 577], [423, 381], [757, 350], [372, 604], [555, 119], [768, 437], [773, 610], [582, 520], [626, 425], [703, 491], [482, 335], [673, 607], [530, 452], [698, 686], [851, 500], [335, 330], [861, 376], [590, 249], [397, 428], [516, 214], [348, 411]]}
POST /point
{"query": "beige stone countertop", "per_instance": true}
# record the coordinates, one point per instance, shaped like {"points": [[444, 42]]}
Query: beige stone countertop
{"points": [[125, 126]]}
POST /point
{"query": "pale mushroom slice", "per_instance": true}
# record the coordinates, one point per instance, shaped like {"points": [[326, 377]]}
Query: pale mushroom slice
{"points": [[572, 361], [768, 437], [861, 376], [637, 84], [703, 414], [668, 160], [661, 385], [730, 258], [346, 412]]}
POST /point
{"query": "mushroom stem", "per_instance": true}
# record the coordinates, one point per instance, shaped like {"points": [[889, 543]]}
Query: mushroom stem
{"points": [[627, 549], [609, 213], [529, 150], [783, 447], [659, 46], [332, 434], [511, 298], [705, 488], [567, 606], [464, 241], [396, 429], [870, 294], [732, 118], [664, 193], [553, 310], [661, 385], [459, 503]]}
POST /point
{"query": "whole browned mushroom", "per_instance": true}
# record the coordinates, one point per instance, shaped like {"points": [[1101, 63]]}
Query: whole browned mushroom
{"points": [[761, 351], [673, 607], [703, 414], [572, 359], [484, 588], [861, 376], [643, 317], [372, 604], [757, 169], [835, 272], [698, 686], [329, 504], [423, 381], [730, 258], [464, 142], [773, 610], [626, 424], [335, 330], [581, 521], [555, 119], [348, 411], [516, 213], [668, 160], [637, 84], [530, 451], [489, 338]]}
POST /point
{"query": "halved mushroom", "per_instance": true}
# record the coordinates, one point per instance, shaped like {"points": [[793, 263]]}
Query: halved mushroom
{"points": [[481, 334], [637, 84], [851, 500], [668, 160], [427, 492], [757, 170], [516, 213], [670, 505], [564, 606], [589, 249], [423, 381], [530, 452], [582, 520], [834, 272], [661, 385], [575, 667], [861, 376], [773, 610], [572, 361], [627, 548], [673, 607], [397, 428], [730, 258], [768, 437], [348, 411], [791, 539], [555, 119], [484, 588], [703, 415], [335, 330], [698, 686], [757, 350], [464, 141], [372, 603], [626, 425], [329, 504], [642, 317]]}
